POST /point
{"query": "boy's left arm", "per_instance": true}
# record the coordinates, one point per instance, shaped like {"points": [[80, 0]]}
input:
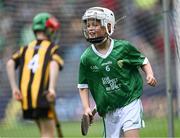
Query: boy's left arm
{"points": [[151, 80], [53, 78]]}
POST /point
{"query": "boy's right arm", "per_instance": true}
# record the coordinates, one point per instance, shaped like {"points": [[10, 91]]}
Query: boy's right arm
{"points": [[84, 94], [10, 68]]}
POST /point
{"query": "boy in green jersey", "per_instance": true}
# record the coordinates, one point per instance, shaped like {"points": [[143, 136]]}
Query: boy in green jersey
{"points": [[109, 69]]}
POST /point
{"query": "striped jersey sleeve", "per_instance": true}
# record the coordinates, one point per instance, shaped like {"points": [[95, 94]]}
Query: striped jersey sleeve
{"points": [[17, 56], [55, 55]]}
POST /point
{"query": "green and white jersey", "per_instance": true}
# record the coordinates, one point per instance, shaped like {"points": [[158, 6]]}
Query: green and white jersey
{"points": [[113, 78]]}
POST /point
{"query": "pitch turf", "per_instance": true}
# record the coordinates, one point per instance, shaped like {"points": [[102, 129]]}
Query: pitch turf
{"points": [[154, 128]]}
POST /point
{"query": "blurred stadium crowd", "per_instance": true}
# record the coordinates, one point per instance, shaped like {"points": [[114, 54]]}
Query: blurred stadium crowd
{"points": [[142, 25]]}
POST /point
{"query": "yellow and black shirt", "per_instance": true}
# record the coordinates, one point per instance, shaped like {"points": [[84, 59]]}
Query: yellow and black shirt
{"points": [[33, 62]]}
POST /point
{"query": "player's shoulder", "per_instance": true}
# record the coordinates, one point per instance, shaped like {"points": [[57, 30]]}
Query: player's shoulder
{"points": [[87, 52], [32, 42], [29, 44], [121, 42], [86, 55]]}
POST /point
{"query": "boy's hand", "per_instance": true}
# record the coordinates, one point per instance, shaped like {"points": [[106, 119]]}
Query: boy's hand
{"points": [[87, 120], [88, 111], [17, 94], [51, 95], [151, 80]]}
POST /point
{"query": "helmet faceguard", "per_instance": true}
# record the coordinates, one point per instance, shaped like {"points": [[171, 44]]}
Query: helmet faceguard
{"points": [[45, 22], [106, 18]]}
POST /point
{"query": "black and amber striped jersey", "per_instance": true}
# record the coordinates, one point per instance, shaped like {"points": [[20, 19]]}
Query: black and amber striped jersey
{"points": [[33, 61]]}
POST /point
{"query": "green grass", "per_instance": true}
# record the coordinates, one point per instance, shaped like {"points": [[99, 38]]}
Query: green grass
{"points": [[154, 128], [159, 128]]}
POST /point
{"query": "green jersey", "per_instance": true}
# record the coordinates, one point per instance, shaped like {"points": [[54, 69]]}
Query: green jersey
{"points": [[113, 79]]}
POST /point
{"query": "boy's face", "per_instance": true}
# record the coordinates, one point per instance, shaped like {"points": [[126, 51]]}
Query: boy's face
{"points": [[94, 28]]}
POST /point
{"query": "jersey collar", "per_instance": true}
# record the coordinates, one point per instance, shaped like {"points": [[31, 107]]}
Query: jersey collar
{"points": [[108, 52]]}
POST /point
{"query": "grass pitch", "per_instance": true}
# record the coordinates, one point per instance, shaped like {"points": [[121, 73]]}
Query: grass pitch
{"points": [[154, 128]]}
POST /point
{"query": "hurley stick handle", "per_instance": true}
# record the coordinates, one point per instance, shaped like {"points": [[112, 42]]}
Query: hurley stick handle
{"points": [[57, 122]]}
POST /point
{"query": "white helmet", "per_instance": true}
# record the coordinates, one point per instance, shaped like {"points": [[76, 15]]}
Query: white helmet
{"points": [[105, 16]]}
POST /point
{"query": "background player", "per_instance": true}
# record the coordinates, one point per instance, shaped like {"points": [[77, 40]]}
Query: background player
{"points": [[39, 63], [109, 69]]}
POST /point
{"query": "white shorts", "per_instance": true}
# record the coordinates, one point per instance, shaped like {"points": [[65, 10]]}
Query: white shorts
{"points": [[123, 119]]}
